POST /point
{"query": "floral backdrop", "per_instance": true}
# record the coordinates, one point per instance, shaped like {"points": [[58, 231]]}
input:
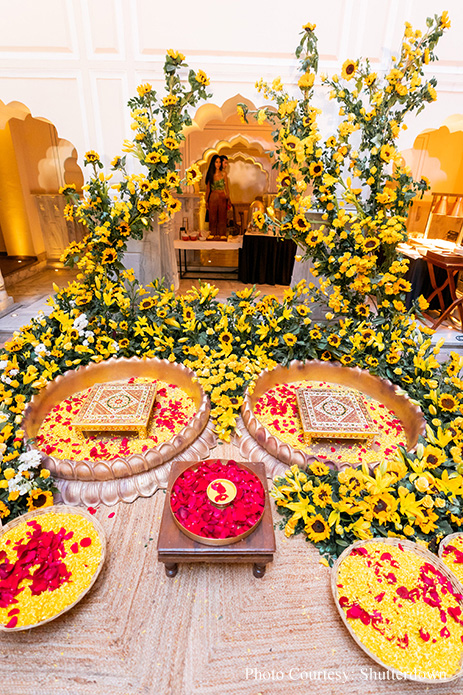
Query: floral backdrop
{"points": [[356, 179]]}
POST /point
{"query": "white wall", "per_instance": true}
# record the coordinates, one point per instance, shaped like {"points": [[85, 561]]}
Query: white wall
{"points": [[77, 62]]}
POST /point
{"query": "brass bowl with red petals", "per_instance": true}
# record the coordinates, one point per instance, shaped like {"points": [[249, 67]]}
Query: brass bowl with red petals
{"points": [[200, 519]]}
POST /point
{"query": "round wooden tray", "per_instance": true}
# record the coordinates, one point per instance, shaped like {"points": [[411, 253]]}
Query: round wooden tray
{"points": [[59, 509], [214, 541], [431, 559]]}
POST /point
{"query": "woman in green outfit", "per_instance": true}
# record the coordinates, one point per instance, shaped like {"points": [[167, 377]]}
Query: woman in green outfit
{"points": [[217, 197]]}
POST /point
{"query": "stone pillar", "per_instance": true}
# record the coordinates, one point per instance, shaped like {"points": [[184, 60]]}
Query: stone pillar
{"points": [[154, 256]]}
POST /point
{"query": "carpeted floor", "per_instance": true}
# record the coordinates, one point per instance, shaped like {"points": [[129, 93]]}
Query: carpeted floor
{"points": [[212, 630]]}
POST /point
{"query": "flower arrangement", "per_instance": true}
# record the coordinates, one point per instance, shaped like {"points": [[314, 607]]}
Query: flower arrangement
{"points": [[357, 177], [106, 313], [402, 608], [45, 565], [114, 212]]}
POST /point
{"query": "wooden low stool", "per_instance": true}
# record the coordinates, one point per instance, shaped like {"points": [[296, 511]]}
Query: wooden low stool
{"points": [[175, 547]]}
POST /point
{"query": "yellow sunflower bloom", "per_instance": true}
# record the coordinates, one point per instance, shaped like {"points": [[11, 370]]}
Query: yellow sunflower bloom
{"points": [[317, 529], [348, 69]]}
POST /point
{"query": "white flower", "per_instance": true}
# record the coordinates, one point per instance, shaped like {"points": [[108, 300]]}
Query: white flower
{"points": [[3, 364], [80, 322], [40, 348], [13, 372], [29, 459]]}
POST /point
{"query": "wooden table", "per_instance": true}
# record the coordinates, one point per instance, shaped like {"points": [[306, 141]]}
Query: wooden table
{"points": [[175, 547], [208, 245], [452, 264]]}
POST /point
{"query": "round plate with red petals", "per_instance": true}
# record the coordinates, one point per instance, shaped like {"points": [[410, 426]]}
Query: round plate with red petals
{"points": [[209, 510], [49, 560]]}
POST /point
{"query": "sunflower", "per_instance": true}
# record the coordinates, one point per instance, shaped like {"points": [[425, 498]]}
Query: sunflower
{"points": [[170, 100], [300, 223], [225, 338], [348, 69], [284, 180], [322, 495], [91, 156], [383, 506], [259, 219], [347, 359], [4, 510], [392, 357], [146, 303], [152, 158], [290, 339], [144, 89], [171, 143], [172, 179], [326, 356], [316, 168], [317, 529], [448, 402], [123, 229], [124, 343], [334, 340], [291, 143], [319, 468], [174, 205], [315, 334], [311, 27], [175, 55], [433, 456], [362, 310], [370, 244], [39, 498], [108, 256], [302, 310], [193, 175], [202, 78]]}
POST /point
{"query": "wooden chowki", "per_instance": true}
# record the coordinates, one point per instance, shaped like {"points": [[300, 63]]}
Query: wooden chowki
{"points": [[175, 547]]}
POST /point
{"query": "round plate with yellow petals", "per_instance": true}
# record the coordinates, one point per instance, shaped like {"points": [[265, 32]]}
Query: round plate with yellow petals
{"points": [[49, 560], [403, 607]]}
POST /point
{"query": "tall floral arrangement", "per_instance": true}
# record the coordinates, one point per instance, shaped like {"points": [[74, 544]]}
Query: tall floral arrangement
{"points": [[114, 211], [357, 177]]}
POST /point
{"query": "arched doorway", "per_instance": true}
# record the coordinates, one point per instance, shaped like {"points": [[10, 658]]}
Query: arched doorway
{"points": [[34, 163]]}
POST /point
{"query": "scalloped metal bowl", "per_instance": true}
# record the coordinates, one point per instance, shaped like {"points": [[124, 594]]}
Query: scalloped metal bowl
{"points": [[381, 390], [116, 370]]}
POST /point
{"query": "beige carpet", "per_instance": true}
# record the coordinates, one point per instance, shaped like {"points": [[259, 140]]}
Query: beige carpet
{"points": [[213, 630]]}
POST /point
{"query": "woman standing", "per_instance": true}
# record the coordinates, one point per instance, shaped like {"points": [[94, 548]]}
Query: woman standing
{"points": [[217, 196]]}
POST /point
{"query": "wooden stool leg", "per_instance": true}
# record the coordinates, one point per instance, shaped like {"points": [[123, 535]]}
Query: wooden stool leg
{"points": [[171, 569], [258, 570]]}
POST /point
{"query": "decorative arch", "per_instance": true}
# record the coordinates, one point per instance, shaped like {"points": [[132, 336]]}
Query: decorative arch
{"points": [[34, 163], [437, 154]]}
